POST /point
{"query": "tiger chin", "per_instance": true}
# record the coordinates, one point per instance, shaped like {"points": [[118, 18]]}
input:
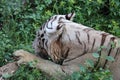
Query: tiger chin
{"points": [[69, 44]]}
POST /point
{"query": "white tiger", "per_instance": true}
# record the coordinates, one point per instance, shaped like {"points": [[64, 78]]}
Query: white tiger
{"points": [[70, 44]]}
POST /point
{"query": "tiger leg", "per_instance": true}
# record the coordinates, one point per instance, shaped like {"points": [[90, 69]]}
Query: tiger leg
{"points": [[45, 66]]}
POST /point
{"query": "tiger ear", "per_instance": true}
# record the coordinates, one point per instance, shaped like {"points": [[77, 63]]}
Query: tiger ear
{"points": [[70, 16]]}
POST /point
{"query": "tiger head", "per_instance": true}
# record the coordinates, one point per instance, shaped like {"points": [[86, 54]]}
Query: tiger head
{"points": [[48, 32], [53, 24]]}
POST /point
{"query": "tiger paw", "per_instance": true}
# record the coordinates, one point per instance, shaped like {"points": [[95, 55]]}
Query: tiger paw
{"points": [[24, 56]]}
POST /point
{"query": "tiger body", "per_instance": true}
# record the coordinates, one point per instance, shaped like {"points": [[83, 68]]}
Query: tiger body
{"points": [[69, 43]]}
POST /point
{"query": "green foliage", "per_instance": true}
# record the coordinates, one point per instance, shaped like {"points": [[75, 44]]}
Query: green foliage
{"points": [[20, 19], [6, 75], [96, 55], [27, 73], [110, 58], [100, 74]]}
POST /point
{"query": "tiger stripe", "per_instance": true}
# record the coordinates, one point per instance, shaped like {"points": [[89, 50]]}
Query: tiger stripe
{"points": [[118, 51], [77, 36], [88, 38], [93, 44]]}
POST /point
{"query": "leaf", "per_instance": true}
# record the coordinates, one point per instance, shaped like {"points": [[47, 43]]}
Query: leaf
{"points": [[89, 63], [6, 75], [75, 76], [82, 69], [96, 55], [31, 64], [99, 1], [89, 12], [110, 58]]}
